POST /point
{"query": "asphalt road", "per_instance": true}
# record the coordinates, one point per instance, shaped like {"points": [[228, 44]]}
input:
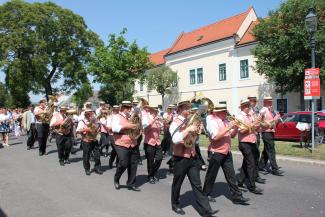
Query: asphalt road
{"points": [[33, 186]]}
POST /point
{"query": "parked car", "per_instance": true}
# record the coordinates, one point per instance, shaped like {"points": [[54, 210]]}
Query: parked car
{"points": [[286, 130]]}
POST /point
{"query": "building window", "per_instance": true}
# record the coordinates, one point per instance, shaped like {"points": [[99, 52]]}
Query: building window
{"points": [[192, 76], [244, 69], [141, 85], [281, 105], [199, 73], [222, 72]]}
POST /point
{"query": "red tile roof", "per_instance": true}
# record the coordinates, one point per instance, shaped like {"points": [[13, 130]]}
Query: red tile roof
{"points": [[213, 32], [248, 37], [158, 57]]}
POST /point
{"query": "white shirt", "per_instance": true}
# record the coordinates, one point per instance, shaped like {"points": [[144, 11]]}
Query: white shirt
{"points": [[178, 136], [116, 126], [212, 126], [4, 117]]}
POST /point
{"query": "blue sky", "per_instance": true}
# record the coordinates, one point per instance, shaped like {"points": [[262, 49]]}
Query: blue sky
{"points": [[156, 24]]}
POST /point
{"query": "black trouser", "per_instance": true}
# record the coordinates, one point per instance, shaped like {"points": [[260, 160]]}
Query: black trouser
{"points": [[199, 155], [154, 157], [268, 151], [90, 147], [113, 152], [31, 136], [128, 159], [64, 144], [42, 134], [248, 167], [138, 146], [166, 143], [103, 142], [191, 168], [257, 154], [226, 162]]}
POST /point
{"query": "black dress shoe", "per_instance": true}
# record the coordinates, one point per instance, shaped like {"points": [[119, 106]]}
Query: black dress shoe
{"points": [[151, 180], [256, 190], [40, 153], [178, 210], [156, 179], [28, 148], [98, 171], [67, 161], [277, 172], [260, 180], [240, 200], [211, 213], [87, 172], [133, 188], [117, 185], [61, 163], [211, 199]]}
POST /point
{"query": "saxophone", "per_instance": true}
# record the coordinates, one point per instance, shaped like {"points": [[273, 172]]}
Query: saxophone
{"points": [[49, 110]]}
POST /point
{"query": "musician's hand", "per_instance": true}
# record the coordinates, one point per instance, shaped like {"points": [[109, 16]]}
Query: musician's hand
{"points": [[231, 124], [132, 126], [192, 128]]}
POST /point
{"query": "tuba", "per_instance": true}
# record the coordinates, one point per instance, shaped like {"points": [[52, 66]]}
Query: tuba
{"points": [[94, 127], [204, 105], [136, 119], [45, 118]]}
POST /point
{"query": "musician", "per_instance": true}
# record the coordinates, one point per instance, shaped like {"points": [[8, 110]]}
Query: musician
{"points": [[152, 145], [63, 135], [88, 129], [103, 141], [42, 127], [220, 133], [247, 144], [268, 137], [115, 111], [254, 112], [87, 105], [186, 163], [126, 147], [166, 142]]}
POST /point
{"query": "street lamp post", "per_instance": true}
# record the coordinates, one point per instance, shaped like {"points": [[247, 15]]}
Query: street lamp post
{"points": [[311, 24]]}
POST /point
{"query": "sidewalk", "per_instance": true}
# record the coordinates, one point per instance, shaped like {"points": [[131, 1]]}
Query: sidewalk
{"points": [[286, 158]]}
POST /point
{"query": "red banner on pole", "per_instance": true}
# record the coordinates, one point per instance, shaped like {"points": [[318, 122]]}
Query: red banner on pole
{"points": [[312, 83]]}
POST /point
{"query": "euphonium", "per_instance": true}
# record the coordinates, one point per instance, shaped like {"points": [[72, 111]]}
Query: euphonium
{"points": [[94, 127], [194, 119], [135, 119], [67, 124]]}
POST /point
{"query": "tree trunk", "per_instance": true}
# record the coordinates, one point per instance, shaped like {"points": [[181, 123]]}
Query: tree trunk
{"points": [[302, 101], [48, 90], [162, 99]]}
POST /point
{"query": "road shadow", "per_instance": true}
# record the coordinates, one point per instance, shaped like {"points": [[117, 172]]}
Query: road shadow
{"points": [[163, 173], [219, 189], [75, 159], [52, 151], [141, 180], [16, 143], [188, 199], [2, 213]]}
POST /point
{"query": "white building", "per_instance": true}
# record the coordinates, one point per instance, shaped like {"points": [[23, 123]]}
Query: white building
{"points": [[216, 60]]}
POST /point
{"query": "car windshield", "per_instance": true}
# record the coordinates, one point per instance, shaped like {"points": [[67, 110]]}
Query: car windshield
{"points": [[290, 118], [321, 117]]}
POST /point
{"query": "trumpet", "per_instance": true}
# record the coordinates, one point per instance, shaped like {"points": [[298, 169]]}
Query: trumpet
{"points": [[240, 124]]}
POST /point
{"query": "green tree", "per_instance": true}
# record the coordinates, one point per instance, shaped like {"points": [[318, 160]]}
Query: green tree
{"points": [[161, 79], [82, 94], [117, 66], [283, 50], [4, 95], [42, 43]]}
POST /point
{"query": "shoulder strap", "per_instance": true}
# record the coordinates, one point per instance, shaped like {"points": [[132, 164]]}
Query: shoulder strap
{"points": [[184, 122]]}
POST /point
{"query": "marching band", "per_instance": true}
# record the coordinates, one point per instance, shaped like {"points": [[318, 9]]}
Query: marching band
{"points": [[121, 129]]}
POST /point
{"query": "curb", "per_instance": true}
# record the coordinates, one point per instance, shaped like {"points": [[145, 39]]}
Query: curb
{"points": [[286, 158]]}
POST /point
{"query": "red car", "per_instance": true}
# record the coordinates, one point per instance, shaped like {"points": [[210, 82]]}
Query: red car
{"points": [[287, 130]]}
